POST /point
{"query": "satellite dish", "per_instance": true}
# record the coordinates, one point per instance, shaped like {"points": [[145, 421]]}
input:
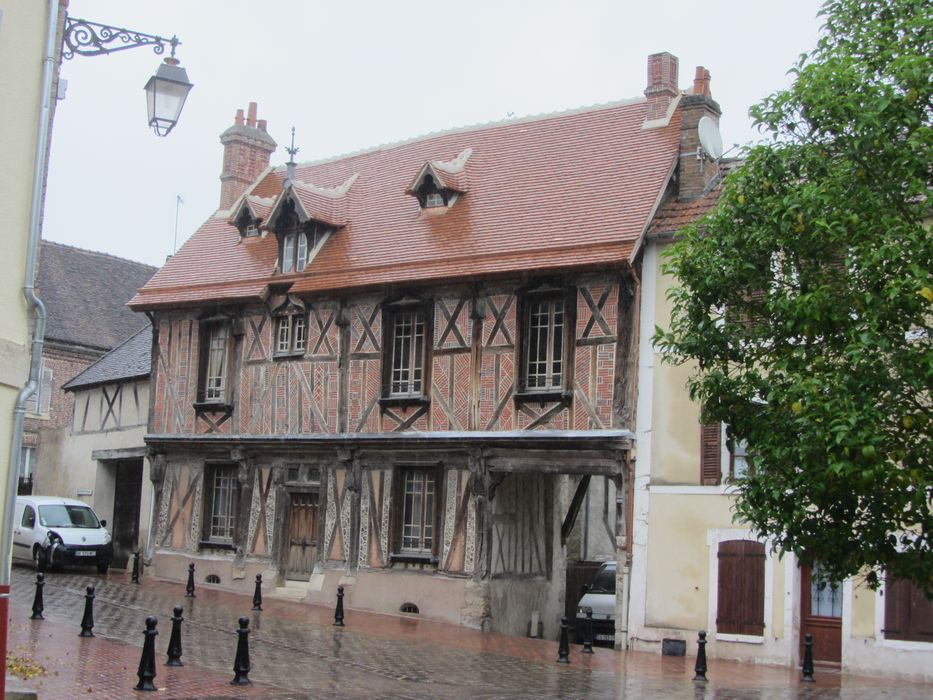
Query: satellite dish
{"points": [[710, 138]]}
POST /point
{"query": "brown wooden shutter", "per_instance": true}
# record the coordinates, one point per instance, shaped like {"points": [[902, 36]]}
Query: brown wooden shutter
{"points": [[741, 593], [710, 454], [908, 615]]}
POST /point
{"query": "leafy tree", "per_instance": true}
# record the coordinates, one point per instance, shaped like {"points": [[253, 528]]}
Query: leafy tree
{"points": [[805, 300]]}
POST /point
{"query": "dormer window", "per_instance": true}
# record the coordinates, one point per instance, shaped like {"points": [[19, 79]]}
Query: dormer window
{"points": [[247, 224], [430, 195], [294, 252], [299, 240]]}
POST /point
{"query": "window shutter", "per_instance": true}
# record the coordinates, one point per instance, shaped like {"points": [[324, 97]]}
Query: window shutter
{"points": [[45, 390], [710, 454], [741, 591], [908, 615]]}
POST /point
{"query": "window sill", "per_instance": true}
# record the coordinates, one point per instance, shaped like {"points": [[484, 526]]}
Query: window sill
{"points": [[213, 407], [208, 544], [742, 638], [413, 558], [293, 355], [542, 396], [404, 401]]}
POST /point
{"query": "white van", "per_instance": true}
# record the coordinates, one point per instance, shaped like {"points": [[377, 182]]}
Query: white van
{"points": [[54, 531], [600, 596]]}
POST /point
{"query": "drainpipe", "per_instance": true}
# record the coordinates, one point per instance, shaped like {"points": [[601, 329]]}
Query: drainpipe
{"points": [[38, 338]]}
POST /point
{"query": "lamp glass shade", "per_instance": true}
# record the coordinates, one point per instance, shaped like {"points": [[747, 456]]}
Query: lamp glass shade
{"points": [[166, 93]]}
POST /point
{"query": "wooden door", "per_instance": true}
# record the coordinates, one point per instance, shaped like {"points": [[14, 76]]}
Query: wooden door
{"points": [[125, 528], [821, 615], [302, 536]]}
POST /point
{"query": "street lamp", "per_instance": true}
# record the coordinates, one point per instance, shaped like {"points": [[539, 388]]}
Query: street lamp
{"points": [[166, 91]]}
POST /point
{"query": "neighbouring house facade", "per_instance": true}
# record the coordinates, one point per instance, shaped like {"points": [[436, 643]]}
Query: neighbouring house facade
{"points": [[407, 371], [104, 447], [85, 294], [24, 35], [695, 569]]}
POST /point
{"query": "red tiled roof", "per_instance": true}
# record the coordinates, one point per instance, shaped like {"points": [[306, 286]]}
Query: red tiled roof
{"points": [[674, 214], [569, 190]]}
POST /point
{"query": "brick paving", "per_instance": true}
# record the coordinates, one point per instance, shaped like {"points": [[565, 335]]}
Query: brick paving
{"points": [[297, 653]]}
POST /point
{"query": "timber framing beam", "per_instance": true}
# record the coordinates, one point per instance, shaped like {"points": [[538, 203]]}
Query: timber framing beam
{"points": [[574, 508]]}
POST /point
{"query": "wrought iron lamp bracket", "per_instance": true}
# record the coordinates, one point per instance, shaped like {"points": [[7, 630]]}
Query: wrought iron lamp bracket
{"points": [[92, 39]]}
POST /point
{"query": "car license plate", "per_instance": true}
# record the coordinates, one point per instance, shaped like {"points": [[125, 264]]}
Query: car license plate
{"points": [[85, 553], [605, 637]]}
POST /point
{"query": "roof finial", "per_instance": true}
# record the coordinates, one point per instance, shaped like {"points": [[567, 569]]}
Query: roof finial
{"points": [[290, 165]]}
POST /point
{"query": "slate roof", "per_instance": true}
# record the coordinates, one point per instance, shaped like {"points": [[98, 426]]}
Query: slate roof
{"points": [[570, 190], [131, 359], [86, 293]]}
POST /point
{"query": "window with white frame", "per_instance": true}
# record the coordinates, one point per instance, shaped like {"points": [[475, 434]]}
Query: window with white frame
{"points": [[406, 367], [291, 335], [220, 506], [417, 511], [294, 252], [214, 358], [543, 346]]}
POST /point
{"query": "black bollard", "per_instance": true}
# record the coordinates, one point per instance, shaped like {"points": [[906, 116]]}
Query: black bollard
{"points": [[146, 670], [588, 632], [189, 589], [37, 604], [338, 613], [563, 647], [257, 595], [241, 662], [174, 641], [808, 658], [700, 668], [87, 622], [134, 577]]}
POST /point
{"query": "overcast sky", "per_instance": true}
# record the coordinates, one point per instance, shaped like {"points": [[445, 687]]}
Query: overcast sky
{"points": [[350, 75]]}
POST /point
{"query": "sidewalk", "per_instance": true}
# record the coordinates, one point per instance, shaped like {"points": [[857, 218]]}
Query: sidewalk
{"points": [[297, 653]]}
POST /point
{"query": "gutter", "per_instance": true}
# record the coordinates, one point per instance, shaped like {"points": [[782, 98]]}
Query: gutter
{"points": [[38, 338]]}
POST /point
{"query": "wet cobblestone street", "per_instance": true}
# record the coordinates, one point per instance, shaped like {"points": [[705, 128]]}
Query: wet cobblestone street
{"points": [[297, 653]]}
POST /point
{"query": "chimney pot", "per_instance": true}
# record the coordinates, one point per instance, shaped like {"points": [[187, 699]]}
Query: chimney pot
{"points": [[701, 82], [246, 154], [662, 84]]}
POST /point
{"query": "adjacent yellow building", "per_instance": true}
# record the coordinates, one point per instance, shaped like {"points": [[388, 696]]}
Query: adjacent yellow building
{"points": [[23, 39], [694, 569]]}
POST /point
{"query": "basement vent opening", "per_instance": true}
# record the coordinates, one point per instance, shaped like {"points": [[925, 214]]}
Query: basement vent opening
{"points": [[410, 608], [212, 578]]}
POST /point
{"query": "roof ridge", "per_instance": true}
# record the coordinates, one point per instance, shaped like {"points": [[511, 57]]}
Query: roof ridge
{"points": [[97, 252], [469, 128]]}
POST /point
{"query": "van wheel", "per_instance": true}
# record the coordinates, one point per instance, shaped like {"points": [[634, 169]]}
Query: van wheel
{"points": [[102, 568]]}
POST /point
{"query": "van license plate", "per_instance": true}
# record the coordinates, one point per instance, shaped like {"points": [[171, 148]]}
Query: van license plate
{"points": [[605, 637], [85, 553]]}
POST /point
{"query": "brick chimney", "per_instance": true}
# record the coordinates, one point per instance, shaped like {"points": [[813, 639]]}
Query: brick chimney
{"points": [[695, 174], [662, 84], [247, 149]]}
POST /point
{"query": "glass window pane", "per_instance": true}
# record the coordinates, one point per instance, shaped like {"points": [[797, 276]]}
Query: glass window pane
{"points": [[302, 257], [288, 253]]}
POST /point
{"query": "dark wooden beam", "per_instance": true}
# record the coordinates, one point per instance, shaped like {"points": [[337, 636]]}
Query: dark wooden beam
{"points": [[574, 509]]}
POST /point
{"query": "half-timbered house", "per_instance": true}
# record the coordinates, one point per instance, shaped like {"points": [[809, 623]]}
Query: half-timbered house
{"points": [[402, 370]]}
